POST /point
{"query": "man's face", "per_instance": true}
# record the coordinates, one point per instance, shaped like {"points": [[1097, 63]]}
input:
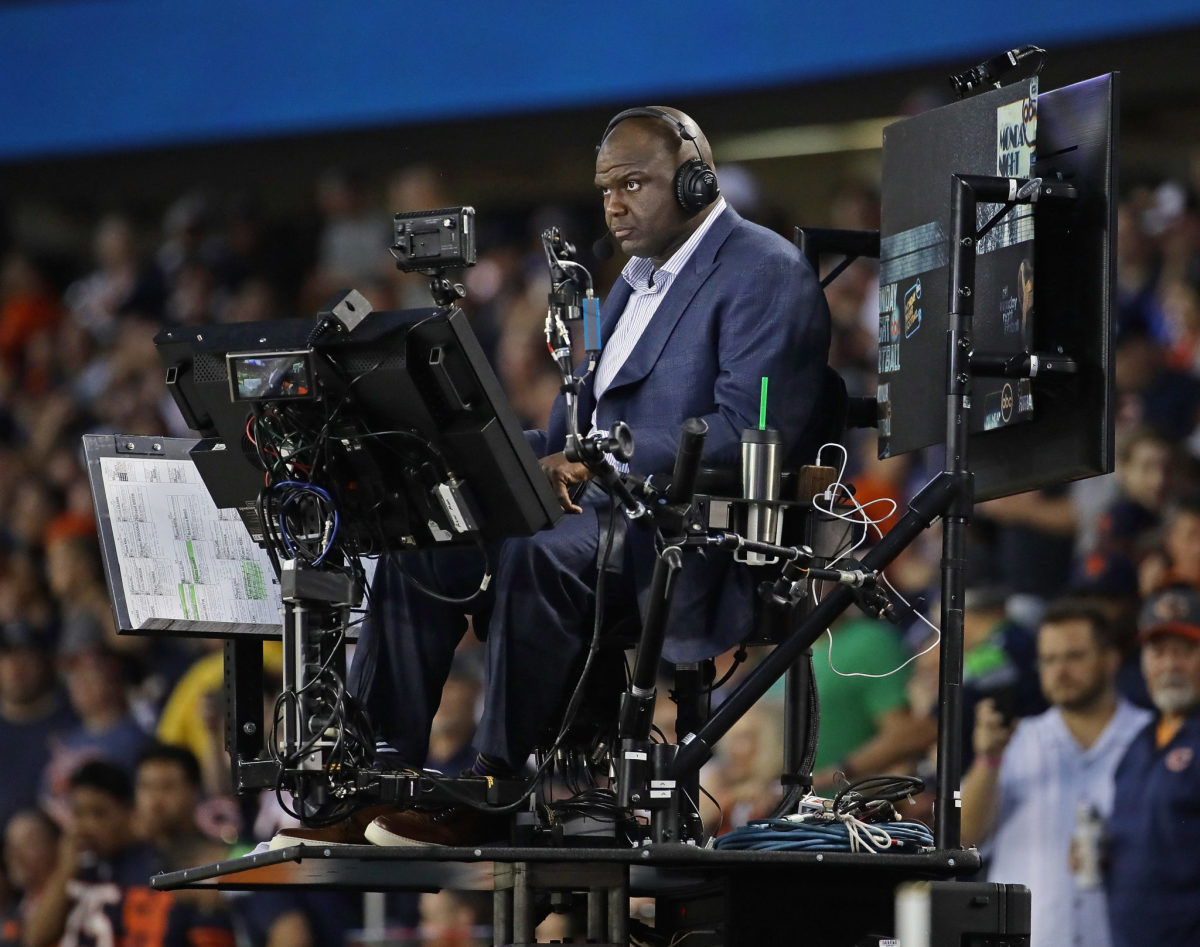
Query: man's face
{"points": [[1144, 474], [635, 172], [165, 800], [1171, 664], [1074, 669], [24, 675], [93, 683], [30, 850], [1182, 541], [101, 822]]}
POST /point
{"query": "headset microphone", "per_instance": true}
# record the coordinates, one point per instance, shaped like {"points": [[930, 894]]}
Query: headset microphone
{"points": [[602, 249]]}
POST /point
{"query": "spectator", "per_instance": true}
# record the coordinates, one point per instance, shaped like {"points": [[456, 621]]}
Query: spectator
{"points": [[33, 712], [99, 890], [76, 579], [1143, 471], [1028, 542], [1148, 392], [122, 283], [867, 726], [1178, 560], [1153, 875], [167, 797], [1110, 584], [355, 235], [454, 723], [456, 919], [96, 683], [293, 917], [29, 306], [1026, 785], [1137, 270], [742, 781], [999, 658], [1181, 305], [31, 842]]}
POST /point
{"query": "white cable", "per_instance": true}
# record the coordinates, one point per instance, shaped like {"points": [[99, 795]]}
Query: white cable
{"points": [[864, 836], [830, 493]]}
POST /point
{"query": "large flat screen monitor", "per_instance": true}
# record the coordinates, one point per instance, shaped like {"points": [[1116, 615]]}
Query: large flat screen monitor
{"points": [[1044, 282], [403, 417]]}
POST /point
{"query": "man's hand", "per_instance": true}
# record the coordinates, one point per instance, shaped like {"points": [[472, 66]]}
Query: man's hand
{"points": [[981, 784], [991, 732], [564, 474]]}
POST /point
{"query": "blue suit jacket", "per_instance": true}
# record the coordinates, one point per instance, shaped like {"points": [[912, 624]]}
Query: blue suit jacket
{"points": [[746, 305]]}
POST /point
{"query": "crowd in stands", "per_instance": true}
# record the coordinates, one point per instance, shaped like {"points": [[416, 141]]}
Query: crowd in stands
{"points": [[125, 734]]}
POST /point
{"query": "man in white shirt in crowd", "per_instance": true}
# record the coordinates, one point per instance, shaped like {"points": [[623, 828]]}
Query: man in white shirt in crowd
{"points": [[1034, 782]]}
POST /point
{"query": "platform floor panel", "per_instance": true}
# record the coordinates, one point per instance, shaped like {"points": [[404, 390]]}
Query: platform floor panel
{"points": [[430, 868]]}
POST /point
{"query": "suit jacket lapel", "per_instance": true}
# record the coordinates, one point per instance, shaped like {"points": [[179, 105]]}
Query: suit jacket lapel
{"points": [[683, 288]]}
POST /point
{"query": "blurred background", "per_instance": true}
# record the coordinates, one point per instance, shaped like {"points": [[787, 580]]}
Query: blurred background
{"points": [[167, 163]]}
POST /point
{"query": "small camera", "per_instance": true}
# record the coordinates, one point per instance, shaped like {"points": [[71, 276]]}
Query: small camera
{"points": [[434, 239]]}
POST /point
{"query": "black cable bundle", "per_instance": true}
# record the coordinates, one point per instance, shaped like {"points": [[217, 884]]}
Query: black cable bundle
{"points": [[353, 746]]}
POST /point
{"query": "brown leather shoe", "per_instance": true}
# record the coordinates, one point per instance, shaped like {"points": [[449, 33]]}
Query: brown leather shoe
{"points": [[452, 826], [350, 831]]}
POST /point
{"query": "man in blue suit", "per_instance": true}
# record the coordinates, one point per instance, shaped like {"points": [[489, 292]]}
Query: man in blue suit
{"points": [[707, 306]]}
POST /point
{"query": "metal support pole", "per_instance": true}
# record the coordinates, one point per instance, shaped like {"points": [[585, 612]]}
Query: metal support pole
{"points": [[798, 685], [948, 797], [597, 914], [618, 909], [244, 724], [692, 683], [637, 703], [522, 900]]}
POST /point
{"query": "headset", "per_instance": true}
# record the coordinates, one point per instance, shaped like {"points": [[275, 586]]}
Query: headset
{"points": [[695, 182]]}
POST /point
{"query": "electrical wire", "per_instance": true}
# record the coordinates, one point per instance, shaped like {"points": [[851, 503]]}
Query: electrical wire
{"points": [[300, 508], [830, 494], [484, 581], [849, 835], [860, 818]]}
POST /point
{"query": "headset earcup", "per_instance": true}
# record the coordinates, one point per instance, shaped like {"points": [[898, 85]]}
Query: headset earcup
{"points": [[695, 186]]}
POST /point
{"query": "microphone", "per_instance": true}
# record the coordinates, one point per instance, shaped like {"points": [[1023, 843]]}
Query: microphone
{"points": [[602, 249]]}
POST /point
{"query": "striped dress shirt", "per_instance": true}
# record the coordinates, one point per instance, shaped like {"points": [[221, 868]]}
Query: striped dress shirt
{"points": [[650, 286]]}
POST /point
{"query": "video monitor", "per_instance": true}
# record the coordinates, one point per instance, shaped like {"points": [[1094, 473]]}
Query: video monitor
{"points": [[1044, 282], [403, 416]]}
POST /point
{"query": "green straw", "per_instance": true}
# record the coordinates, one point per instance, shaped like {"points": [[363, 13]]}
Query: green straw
{"points": [[762, 406]]}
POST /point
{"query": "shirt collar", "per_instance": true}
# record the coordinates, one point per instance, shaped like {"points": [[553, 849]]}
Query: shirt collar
{"points": [[638, 270]]}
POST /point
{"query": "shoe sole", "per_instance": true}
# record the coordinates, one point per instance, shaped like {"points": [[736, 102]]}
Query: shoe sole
{"points": [[377, 835], [291, 841]]}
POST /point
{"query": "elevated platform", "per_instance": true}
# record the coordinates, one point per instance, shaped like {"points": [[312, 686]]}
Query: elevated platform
{"points": [[370, 868], [714, 897]]}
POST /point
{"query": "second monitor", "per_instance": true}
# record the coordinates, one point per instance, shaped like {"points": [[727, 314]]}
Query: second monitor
{"points": [[402, 421]]}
